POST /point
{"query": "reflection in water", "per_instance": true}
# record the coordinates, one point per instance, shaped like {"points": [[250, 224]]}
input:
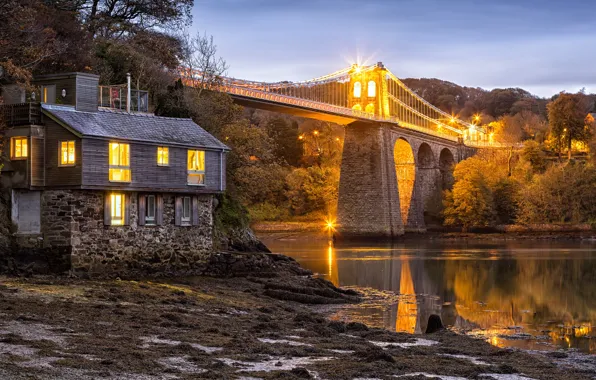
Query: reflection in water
{"points": [[516, 294], [407, 309]]}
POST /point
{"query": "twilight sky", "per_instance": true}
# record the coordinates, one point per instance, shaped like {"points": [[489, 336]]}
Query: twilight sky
{"points": [[543, 46]]}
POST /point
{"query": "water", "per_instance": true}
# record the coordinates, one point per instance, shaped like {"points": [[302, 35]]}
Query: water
{"points": [[537, 295]]}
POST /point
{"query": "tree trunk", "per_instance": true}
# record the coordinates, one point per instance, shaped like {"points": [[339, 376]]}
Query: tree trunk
{"points": [[569, 150], [509, 162]]}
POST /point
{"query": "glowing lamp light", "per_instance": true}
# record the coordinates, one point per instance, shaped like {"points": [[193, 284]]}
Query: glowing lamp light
{"points": [[357, 69], [315, 133], [300, 137], [452, 120], [330, 225]]}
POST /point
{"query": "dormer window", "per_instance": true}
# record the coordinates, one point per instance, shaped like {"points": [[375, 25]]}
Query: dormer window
{"points": [[196, 167], [19, 148], [119, 162]]}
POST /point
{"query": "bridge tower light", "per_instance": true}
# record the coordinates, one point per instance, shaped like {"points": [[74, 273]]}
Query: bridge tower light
{"points": [[357, 89]]}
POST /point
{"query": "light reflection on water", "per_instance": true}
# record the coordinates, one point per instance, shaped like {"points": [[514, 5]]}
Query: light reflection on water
{"points": [[526, 294]]}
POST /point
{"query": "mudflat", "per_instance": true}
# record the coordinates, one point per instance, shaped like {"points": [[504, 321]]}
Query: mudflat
{"points": [[228, 328]]}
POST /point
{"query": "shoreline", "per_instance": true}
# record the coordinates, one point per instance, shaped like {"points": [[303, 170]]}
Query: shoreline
{"points": [[510, 232], [260, 325]]}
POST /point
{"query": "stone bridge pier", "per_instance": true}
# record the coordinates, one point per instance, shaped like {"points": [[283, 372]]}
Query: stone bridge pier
{"points": [[391, 178]]}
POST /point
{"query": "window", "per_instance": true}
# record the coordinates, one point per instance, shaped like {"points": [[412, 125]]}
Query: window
{"points": [[119, 162], [357, 89], [18, 148], [186, 210], [372, 89], [163, 156], [196, 167], [117, 209], [67, 153], [150, 215]]}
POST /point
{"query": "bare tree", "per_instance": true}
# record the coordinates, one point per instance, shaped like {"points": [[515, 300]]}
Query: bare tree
{"points": [[205, 68]]}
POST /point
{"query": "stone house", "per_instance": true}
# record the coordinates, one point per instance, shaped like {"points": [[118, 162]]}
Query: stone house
{"points": [[109, 189]]}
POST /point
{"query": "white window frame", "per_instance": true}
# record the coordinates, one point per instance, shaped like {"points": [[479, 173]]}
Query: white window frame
{"points": [[150, 220], [184, 219], [195, 172]]}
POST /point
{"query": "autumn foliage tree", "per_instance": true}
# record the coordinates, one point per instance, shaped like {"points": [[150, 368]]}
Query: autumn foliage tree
{"points": [[567, 119]]}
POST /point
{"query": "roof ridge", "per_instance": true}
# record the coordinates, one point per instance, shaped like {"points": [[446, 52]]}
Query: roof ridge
{"points": [[141, 114]]}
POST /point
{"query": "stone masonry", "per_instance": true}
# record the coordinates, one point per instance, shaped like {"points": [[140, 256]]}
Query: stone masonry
{"points": [[369, 189], [75, 219]]}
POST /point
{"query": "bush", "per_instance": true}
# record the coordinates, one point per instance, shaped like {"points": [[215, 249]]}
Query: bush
{"points": [[267, 212], [311, 189], [563, 194]]}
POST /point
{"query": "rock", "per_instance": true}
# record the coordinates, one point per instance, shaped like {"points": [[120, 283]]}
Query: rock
{"points": [[434, 324], [356, 326]]}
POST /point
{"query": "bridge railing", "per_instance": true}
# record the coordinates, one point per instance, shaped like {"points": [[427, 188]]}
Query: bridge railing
{"points": [[357, 114]]}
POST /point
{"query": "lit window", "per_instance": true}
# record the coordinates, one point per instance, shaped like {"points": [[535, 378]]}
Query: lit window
{"points": [[150, 213], [18, 148], [163, 156], [196, 167], [372, 89], [117, 211], [119, 162], [357, 89], [67, 153], [185, 210]]}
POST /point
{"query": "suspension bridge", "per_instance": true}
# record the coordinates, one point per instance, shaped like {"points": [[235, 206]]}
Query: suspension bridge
{"points": [[399, 150], [356, 93]]}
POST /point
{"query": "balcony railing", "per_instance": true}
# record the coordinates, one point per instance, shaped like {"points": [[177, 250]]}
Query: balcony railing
{"points": [[115, 97], [20, 114]]}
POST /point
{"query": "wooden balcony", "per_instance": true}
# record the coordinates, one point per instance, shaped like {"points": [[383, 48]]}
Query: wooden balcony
{"points": [[20, 114]]}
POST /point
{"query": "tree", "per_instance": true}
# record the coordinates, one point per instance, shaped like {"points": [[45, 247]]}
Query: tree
{"points": [[37, 37], [533, 153], [113, 19], [200, 58], [567, 119], [285, 135]]}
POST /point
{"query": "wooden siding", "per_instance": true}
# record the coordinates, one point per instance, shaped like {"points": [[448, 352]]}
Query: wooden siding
{"points": [[81, 89], [37, 156], [56, 175], [87, 93], [146, 174]]}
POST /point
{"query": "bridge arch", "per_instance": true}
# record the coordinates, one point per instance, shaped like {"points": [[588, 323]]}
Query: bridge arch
{"points": [[446, 166], [405, 170], [426, 157]]}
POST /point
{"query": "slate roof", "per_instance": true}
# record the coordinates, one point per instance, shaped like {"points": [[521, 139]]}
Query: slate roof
{"points": [[135, 127]]}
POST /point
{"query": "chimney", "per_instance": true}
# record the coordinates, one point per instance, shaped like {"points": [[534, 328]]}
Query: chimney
{"points": [[128, 92]]}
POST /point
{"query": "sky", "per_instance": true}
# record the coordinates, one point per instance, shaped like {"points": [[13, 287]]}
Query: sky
{"points": [[543, 46]]}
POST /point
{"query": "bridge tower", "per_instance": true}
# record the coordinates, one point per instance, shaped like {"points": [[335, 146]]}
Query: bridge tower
{"points": [[368, 89]]}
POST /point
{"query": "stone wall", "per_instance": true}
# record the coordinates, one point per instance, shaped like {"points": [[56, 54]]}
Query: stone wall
{"points": [[75, 218], [379, 163]]}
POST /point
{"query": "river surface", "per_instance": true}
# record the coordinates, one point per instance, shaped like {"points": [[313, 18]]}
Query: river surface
{"points": [[529, 294]]}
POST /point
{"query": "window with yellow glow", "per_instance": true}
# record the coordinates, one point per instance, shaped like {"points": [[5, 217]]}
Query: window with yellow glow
{"points": [[67, 153], [118, 210], [196, 167], [372, 89], [357, 89], [163, 156], [119, 162], [18, 148]]}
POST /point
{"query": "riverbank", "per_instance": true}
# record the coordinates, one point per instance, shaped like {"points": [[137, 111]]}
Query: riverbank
{"points": [[506, 232], [226, 328]]}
